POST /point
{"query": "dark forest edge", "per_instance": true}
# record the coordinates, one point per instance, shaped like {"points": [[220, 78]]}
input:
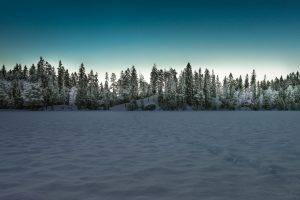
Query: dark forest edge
{"points": [[40, 88]]}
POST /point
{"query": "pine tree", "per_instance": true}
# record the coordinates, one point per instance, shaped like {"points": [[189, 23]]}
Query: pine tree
{"points": [[81, 96], [106, 94], [206, 89], [67, 81], [33, 74], [246, 85], [143, 87], [253, 90], [133, 84], [25, 73], [74, 80], [17, 101], [63, 94], [198, 100], [92, 91], [61, 76], [240, 84], [113, 88], [189, 84], [160, 86], [153, 80]]}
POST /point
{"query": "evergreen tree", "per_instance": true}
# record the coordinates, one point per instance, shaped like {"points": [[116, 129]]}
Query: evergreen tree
{"points": [[133, 84], [253, 90], [74, 80], [92, 91], [189, 84], [61, 76], [206, 89], [67, 81], [106, 93], [33, 74], [81, 97], [198, 101], [240, 84], [17, 101], [143, 87], [25, 73], [246, 85], [213, 89], [113, 88], [153, 80]]}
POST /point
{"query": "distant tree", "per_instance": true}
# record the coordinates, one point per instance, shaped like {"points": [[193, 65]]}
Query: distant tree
{"points": [[133, 84], [246, 85], [81, 96], [17, 101], [25, 73], [153, 80], [206, 90], [67, 80], [240, 84], [113, 88], [33, 74], [189, 84]]}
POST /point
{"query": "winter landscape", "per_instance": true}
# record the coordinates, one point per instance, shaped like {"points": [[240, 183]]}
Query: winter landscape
{"points": [[150, 100]]}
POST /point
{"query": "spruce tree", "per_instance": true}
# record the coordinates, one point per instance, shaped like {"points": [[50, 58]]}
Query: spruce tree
{"points": [[133, 84], [153, 80], [246, 85], [81, 97], [25, 73], [106, 93], [67, 81], [254, 91], [206, 89], [189, 84], [240, 84], [33, 74], [17, 101], [113, 88]]}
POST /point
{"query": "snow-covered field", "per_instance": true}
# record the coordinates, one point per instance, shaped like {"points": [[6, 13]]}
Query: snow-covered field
{"points": [[149, 155]]}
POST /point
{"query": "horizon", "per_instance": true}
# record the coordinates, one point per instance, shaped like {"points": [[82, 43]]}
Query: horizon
{"points": [[224, 36]]}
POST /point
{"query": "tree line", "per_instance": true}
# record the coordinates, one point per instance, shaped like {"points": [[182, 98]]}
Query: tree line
{"points": [[42, 86]]}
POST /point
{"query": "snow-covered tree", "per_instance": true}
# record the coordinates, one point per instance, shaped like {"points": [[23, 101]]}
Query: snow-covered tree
{"points": [[189, 84], [81, 97], [32, 95], [154, 79]]}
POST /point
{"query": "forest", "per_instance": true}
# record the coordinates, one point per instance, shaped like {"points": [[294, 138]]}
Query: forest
{"points": [[42, 87]]}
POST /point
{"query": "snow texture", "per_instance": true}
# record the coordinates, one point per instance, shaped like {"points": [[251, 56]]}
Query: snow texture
{"points": [[149, 155]]}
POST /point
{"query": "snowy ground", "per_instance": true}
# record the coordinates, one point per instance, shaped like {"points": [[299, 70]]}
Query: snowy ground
{"points": [[149, 155]]}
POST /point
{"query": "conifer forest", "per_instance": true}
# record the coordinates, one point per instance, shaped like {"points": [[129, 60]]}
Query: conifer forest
{"points": [[43, 86]]}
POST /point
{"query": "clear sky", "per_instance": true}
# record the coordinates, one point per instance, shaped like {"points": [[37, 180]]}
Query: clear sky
{"points": [[228, 36]]}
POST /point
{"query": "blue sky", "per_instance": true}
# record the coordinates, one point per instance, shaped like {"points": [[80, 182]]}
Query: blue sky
{"points": [[228, 36]]}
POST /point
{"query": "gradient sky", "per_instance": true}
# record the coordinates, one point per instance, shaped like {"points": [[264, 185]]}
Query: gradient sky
{"points": [[228, 36]]}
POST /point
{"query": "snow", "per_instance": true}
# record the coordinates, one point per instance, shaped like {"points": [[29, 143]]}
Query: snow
{"points": [[149, 155]]}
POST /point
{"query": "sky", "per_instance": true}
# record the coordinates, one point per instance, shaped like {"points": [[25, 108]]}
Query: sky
{"points": [[227, 36]]}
